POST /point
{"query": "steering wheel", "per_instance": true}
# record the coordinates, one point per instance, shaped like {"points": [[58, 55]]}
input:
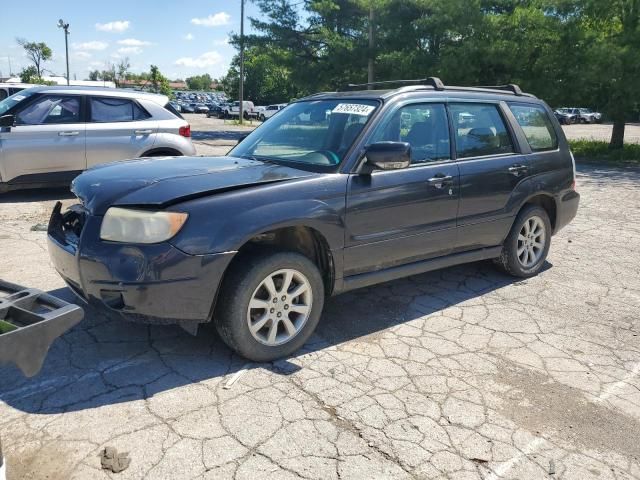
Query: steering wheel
{"points": [[322, 157]]}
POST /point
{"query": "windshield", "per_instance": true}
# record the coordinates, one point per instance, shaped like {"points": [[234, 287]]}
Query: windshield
{"points": [[14, 99], [312, 133]]}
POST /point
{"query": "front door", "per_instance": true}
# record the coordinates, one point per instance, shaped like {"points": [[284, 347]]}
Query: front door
{"points": [[402, 216], [47, 142]]}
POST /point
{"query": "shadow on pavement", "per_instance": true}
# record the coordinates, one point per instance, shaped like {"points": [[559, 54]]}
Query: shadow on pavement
{"points": [[36, 195], [106, 360], [218, 135]]}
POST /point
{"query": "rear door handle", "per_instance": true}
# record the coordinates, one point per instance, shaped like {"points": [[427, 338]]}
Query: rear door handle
{"points": [[68, 134], [517, 169], [440, 180], [143, 132]]}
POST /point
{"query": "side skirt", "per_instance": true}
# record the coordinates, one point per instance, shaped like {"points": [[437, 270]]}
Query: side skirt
{"points": [[371, 278]]}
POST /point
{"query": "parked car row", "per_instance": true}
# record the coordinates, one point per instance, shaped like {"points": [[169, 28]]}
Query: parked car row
{"points": [[569, 116]]}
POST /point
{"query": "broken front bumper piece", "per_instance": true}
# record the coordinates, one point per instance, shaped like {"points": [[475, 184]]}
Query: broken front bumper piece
{"points": [[30, 321]]}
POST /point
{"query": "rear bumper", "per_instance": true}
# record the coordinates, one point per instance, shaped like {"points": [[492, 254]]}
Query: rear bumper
{"points": [[148, 283], [566, 209]]}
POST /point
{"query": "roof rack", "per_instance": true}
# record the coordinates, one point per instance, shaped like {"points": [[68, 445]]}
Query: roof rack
{"points": [[435, 82], [511, 87]]}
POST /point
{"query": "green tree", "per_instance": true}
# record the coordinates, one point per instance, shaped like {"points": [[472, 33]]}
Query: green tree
{"points": [[200, 82], [37, 52], [29, 75], [158, 82], [94, 75]]}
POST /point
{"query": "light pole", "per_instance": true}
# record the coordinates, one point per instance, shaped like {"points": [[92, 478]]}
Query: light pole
{"points": [[241, 89], [65, 27]]}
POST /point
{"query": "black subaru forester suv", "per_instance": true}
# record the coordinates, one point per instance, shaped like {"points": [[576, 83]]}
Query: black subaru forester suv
{"points": [[338, 191]]}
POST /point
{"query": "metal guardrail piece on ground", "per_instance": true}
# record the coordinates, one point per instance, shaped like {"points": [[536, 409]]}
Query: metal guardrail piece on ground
{"points": [[30, 321]]}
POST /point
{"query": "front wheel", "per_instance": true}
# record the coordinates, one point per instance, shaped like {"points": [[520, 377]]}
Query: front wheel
{"points": [[269, 305], [527, 245]]}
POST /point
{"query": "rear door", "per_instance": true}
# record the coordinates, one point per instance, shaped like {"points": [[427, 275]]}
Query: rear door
{"points": [[493, 173], [118, 129], [402, 216], [47, 142]]}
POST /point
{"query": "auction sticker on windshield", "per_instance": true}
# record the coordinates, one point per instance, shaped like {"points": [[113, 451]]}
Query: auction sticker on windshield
{"points": [[354, 109]]}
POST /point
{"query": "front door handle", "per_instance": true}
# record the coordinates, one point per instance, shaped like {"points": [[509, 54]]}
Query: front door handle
{"points": [[440, 180], [68, 134], [517, 169], [143, 132]]}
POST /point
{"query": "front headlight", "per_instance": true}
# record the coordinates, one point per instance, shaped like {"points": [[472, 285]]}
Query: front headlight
{"points": [[140, 226]]}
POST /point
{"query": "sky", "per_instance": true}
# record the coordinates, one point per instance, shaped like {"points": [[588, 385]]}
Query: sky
{"points": [[182, 38]]}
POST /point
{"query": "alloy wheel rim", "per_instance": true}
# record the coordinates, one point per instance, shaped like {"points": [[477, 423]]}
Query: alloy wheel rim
{"points": [[280, 307], [531, 241]]}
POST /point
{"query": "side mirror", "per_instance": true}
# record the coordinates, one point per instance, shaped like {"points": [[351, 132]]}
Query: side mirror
{"points": [[7, 120], [388, 155]]}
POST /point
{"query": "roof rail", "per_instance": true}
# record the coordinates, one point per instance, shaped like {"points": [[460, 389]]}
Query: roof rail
{"points": [[511, 87], [435, 82]]}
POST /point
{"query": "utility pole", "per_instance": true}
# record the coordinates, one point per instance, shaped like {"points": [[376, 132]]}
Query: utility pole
{"points": [[372, 44], [241, 88], [65, 27]]}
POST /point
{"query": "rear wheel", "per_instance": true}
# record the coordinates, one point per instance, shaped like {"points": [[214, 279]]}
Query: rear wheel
{"points": [[269, 305], [527, 245]]}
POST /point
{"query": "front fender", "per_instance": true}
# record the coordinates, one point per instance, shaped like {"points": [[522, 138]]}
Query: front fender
{"points": [[225, 222]]}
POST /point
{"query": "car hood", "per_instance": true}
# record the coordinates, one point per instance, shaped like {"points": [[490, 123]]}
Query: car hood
{"points": [[162, 181]]}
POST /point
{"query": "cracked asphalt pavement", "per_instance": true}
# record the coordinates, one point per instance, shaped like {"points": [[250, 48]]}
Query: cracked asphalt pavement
{"points": [[463, 373]]}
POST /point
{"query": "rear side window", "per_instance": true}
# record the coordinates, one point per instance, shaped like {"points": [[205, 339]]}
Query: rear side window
{"points": [[170, 107], [116, 110], [479, 130], [536, 125]]}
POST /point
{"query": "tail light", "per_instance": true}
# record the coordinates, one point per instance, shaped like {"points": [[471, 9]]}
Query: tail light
{"points": [[185, 131]]}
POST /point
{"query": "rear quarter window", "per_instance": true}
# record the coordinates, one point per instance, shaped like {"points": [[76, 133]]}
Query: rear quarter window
{"points": [[537, 126], [170, 108]]}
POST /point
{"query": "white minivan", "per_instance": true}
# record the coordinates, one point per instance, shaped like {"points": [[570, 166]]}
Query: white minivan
{"points": [[48, 135]]}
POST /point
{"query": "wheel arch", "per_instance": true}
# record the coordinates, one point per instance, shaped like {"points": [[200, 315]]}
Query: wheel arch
{"points": [[162, 151], [300, 238], [546, 201]]}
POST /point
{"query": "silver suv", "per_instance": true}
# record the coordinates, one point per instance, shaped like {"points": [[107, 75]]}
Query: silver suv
{"points": [[48, 135]]}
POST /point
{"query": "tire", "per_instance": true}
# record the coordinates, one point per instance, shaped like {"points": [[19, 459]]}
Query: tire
{"points": [[510, 261], [245, 283]]}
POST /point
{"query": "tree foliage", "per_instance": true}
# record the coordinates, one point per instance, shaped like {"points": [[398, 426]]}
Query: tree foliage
{"points": [[37, 52], [569, 52], [200, 82]]}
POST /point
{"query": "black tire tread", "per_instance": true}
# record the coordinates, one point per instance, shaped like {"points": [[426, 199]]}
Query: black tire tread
{"points": [[240, 278], [505, 261]]}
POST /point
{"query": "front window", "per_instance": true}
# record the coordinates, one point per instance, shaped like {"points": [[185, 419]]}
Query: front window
{"points": [[311, 133], [425, 126], [13, 100], [51, 109]]}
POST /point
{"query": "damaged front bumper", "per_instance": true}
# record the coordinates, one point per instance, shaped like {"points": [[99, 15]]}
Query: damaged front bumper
{"points": [[30, 321], [146, 283]]}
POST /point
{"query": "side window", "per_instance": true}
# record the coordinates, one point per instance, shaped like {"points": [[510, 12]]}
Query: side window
{"points": [[3, 94], [115, 110], [424, 126], [536, 126], [51, 109], [479, 130]]}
